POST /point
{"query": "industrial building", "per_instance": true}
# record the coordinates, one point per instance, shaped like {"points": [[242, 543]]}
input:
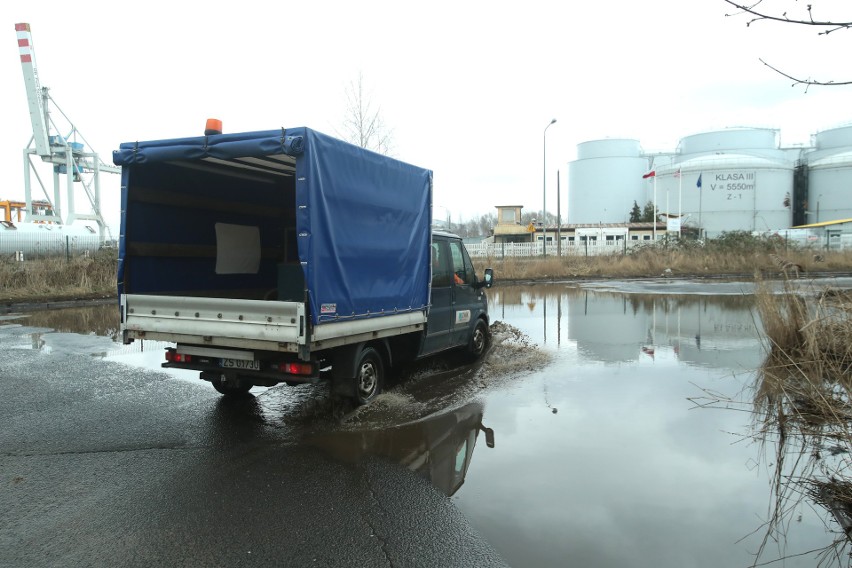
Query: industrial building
{"points": [[739, 179]]}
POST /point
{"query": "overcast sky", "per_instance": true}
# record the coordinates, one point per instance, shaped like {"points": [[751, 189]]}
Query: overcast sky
{"points": [[467, 87]]}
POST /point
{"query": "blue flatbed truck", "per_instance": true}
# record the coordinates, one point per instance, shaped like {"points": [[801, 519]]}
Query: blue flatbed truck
{"points": [[288, 256]]}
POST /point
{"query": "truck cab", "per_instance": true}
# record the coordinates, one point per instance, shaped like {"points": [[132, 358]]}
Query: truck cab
{"points": [[457, 320], [458, 311]]}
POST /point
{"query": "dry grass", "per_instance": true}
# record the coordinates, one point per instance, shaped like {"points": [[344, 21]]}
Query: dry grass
{"points": [[803, 408], [652, 262], [57, 279]]}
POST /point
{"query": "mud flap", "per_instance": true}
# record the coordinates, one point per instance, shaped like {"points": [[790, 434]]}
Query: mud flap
{"points": [[343, 394], [344, 361], [342, 387]]}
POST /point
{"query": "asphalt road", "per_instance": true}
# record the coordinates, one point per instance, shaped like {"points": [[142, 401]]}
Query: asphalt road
{"points": [[104, 464]]}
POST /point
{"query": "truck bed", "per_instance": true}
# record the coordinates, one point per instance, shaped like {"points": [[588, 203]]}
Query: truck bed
{"points": [[250, 324], [280, 240]]}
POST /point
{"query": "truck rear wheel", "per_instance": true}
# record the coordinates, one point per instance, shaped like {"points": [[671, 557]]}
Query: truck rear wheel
{"points": [[369, 376], [231, 386]]}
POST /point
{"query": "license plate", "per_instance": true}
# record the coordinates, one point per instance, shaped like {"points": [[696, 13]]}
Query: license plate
{"points": [[241, 364]]}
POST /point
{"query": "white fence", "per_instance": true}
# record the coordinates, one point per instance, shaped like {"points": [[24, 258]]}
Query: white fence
{"points": [[583, 248], [596, 247]]}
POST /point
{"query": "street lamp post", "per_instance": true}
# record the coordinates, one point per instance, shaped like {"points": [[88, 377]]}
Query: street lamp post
{"points": [[544, 194]]}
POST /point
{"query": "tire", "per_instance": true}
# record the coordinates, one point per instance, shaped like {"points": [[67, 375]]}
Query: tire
{"points": [[234, 386], [369, 376], [478, 341]]}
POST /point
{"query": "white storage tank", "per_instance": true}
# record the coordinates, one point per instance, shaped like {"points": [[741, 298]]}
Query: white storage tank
{"points": [[746, 182], [48, 239], [759, 139], [605, 180], [830, 176]]}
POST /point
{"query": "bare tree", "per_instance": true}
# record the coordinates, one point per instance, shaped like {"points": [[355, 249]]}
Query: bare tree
{"points": [[482, 226], [827, 27], [363, 124]]}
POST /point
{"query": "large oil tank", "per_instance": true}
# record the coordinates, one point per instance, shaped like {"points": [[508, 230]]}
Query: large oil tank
{"points": [[731, 139], [830, 176], [746, 182], [605, 180], [48, 239]]}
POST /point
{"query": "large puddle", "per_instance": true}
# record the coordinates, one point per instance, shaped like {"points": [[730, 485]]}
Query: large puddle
{"points": [[592, 447]]}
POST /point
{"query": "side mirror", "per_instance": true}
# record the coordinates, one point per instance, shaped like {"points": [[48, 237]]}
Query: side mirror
{"points": [[487, 279], [489, 435]]}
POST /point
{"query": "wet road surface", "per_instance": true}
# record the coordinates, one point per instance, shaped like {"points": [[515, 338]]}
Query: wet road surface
{"points": [[106, 464], [602, 455]]}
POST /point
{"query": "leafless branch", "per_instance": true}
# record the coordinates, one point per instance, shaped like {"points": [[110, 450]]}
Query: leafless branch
{"points": [[809, 21], [362, 123], [808, 82], [829, 27]]}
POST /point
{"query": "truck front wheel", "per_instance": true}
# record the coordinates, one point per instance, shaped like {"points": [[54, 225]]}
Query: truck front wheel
{"points": [[369, 376], [231, 386], [478, 341]]}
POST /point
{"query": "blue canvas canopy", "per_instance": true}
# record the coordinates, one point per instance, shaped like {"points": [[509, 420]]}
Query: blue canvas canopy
{"points": [[361, 221]]}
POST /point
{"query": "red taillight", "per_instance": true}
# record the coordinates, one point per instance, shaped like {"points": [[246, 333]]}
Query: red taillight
{"points": [[295, 368], [173, 356]]}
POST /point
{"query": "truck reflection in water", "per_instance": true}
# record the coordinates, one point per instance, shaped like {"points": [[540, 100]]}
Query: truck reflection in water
{"points": [[439, 447]]}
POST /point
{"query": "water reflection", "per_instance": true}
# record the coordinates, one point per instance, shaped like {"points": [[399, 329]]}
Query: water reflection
{"points": [[613, 327], [93, 330], [101, 320], [627, 458], [602, 325], [439, 448]]}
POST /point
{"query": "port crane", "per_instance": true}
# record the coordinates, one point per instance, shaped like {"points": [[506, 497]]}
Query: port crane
{"points": [[65, 148]]}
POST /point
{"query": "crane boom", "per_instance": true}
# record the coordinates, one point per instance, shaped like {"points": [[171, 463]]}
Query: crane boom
{"points": [[64, 149], [35, 96]]}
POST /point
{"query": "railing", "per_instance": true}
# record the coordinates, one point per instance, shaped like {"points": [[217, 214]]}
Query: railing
{"points": [[597, 247], [574, 248]]}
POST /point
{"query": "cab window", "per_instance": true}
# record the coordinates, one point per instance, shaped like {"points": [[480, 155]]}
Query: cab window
{"points": [[462, 268], [440, 268]]}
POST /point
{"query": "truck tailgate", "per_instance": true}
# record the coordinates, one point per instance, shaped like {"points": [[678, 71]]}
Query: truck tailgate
{"points": [[249, 324]]}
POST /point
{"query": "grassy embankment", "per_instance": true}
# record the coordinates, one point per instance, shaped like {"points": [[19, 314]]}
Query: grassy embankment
{"points": [[58, 279], [650, 263], [733, 254], [803, 410]]}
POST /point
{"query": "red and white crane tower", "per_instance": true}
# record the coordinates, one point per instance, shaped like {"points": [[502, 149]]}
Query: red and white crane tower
{"points": [[64, 148]]}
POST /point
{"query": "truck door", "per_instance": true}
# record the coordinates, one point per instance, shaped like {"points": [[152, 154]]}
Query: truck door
{"points": [[440, 320], [467, 300]]}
